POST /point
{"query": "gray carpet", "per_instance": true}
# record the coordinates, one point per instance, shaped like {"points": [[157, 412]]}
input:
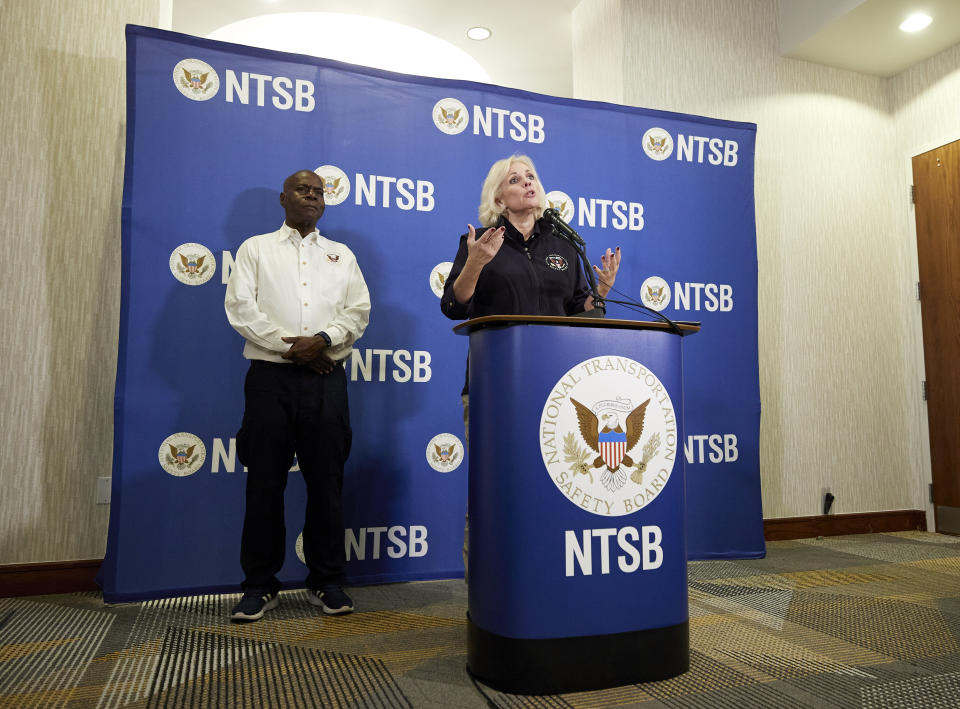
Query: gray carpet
{"points": [[859, 621]]}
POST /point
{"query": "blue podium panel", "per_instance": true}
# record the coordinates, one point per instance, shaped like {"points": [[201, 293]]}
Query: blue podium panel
{"points": [[577, 493]]}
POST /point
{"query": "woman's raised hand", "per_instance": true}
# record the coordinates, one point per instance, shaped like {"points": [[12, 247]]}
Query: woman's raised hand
{"points": [[481, 250], [608, 274]]}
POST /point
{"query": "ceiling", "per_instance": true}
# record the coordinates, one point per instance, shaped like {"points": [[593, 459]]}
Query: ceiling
{"points": [[531, 43], [866, 37], [530, 47]]}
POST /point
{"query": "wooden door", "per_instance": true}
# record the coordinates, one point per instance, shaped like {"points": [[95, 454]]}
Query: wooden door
{"points": [[936, 179]]}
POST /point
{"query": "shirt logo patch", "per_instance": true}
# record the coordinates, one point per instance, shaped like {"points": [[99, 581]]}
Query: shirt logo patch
{"points": [[557, 262], [333, 258]]}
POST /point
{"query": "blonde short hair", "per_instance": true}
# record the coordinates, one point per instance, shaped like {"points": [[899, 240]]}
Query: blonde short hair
{"points": [[489, 211]]}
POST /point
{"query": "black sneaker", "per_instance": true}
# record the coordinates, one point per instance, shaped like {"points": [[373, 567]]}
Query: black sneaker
{"points": [[332, 599], [253, 605]]}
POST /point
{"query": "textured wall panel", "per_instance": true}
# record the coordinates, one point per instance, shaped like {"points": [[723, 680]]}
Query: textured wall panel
{"points": [[838, 362], [62, 154], [597, 29]]}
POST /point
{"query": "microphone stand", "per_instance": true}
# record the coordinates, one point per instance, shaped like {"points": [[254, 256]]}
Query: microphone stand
{"points": [[567, 233]]}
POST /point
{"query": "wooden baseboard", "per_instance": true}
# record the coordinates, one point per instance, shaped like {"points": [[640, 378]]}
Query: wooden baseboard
{"points": [[47, 578], [74, 576], [835, 525]]}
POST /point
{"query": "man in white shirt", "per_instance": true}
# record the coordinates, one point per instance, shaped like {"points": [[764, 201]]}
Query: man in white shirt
{"points": [[300, 301]]}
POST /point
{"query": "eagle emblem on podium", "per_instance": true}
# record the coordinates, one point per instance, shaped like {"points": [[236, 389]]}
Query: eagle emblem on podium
{"points": [[612, 440]]}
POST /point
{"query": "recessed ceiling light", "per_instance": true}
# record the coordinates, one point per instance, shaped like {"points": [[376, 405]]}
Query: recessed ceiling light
{"points": [[478, 33], [915, 22]]}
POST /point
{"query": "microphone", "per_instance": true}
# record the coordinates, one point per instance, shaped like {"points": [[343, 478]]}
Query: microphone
{"points": [[567, 233], [562, 228]]}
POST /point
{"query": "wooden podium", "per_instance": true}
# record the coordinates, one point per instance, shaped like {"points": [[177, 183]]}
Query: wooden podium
{"points": [[578, 568]]}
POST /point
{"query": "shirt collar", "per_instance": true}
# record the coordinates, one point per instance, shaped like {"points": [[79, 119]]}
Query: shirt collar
{"points": [[288, 232], [515, 234]]}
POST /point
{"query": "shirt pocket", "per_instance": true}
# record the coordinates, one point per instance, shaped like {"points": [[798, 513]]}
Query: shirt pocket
{"points": [[330, 279]]}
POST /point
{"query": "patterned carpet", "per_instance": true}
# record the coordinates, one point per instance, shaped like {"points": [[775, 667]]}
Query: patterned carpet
{"points": [[858, 621]]}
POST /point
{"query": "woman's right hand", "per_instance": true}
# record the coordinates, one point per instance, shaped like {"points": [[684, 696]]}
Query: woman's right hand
{"points": [[480, 251]]}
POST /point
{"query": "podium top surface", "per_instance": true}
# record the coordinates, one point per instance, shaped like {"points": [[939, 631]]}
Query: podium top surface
{"points": [[465, 328]]}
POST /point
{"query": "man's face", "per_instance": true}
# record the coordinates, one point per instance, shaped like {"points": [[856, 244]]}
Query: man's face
{"points": [[302, 198]]}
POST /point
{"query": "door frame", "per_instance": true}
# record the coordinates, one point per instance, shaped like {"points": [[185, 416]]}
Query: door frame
{"points": [[924, 467]]}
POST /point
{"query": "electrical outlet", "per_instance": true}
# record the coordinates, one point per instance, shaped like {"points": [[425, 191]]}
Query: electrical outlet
{"points": [[103, 491]]}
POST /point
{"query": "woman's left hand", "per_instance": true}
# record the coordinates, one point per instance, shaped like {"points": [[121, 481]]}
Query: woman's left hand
{"points": [[608, 274]]}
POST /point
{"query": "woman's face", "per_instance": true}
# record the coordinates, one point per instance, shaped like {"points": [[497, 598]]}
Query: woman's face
{"points": [[519, 191]]}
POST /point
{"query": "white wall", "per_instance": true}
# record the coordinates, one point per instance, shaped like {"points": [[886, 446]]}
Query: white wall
{"points": [[598, 50], [839, 362], [61, 149], [925, 102]]}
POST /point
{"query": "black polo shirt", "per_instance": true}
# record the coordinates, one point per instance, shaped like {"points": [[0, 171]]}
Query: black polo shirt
{"points": [[539, 276]]}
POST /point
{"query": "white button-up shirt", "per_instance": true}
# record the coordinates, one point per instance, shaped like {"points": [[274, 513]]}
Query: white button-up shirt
{"points": [[283, 285]]}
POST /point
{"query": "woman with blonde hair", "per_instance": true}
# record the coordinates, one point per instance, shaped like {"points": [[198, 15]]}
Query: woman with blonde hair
{"points": [[518, 265]]}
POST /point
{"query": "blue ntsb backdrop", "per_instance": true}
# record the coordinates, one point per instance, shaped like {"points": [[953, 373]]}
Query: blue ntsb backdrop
{"points": [[212, 131]]}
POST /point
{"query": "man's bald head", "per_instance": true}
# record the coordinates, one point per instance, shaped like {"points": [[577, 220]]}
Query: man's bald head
{"points": [[291, 181]]}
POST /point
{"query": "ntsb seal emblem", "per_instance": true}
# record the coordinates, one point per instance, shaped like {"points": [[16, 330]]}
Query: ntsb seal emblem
{"points": [[182, 454], [556, 262], [608, 436], [336, 184], [438, 277], [450, 116], [192, 264], [196, 79], [655, 293], [444, 452], [562, 202], [657, 144]]}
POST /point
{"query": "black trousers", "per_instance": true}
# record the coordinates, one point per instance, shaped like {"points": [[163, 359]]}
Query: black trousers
{"points": [[291, 410]]}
